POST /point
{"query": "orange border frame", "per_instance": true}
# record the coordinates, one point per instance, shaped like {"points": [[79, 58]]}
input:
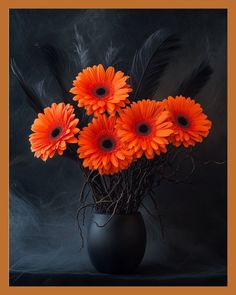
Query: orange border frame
{"points": [[228, 4]]}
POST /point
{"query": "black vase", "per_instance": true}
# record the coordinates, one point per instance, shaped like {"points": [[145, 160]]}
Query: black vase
{"points": [[119, 245]]}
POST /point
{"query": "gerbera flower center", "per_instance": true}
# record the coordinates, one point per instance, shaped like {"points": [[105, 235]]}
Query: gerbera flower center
{"points": [[55, 132], [101, 92], [107, 144], [143, 129], [183, 122]]}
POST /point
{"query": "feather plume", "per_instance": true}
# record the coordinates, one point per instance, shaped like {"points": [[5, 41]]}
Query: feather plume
{"points": [[111, 56], [82, 52], [40, 88], [58, 64], [32, 97], [150, 62], [197, 79]]}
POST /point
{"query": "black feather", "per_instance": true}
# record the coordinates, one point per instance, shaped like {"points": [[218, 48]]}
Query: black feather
{"points": [[150, 62], [198, 78], [82, 52], [58, 64], [32, 97], [111, 56], [40, 88]]}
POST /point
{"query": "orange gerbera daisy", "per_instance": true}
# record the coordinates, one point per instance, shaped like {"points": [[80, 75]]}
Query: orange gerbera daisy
{"points": [[101, 148], [190, 124], [98, 90], [52, 130], [144, 127]]}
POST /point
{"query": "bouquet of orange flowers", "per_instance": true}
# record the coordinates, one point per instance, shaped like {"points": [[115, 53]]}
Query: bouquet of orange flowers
{"points": [[123, 139]]}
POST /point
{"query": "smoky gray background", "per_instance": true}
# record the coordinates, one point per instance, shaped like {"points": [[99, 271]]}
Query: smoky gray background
{"points": [[44, 196]]}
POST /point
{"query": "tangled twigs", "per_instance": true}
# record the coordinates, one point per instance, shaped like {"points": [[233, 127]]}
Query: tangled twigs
{"points": [[124, 192], [78, 223], [90, 178], [114, 188], [113, 213], [172, 178], [83, 208], [172, 162]]}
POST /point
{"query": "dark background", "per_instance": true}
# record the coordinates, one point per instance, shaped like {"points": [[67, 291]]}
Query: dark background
{"points": [[44, 240]]}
